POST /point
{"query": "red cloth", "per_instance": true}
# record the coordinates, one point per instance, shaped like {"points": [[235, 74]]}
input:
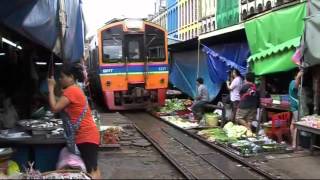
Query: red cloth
{"points": [[88, 131]]}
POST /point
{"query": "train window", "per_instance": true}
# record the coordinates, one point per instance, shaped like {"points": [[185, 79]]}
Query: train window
{"points": [[134, 52], [112, 45], [112, 50], [134, 47], [155, 41]]}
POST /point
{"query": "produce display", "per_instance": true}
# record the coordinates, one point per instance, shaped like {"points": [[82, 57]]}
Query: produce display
{"points": [[236, 137], [182, 123], [216, 135], [174, 105], [251, 146], [311, 121], [236, 131], [110, 134]]}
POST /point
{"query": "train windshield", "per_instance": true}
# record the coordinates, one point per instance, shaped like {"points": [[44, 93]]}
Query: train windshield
{"points": [[112, 45], [155, 41]]}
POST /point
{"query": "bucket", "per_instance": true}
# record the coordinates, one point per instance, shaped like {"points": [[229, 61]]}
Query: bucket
{"points": [[211, 119], [304, 139]]}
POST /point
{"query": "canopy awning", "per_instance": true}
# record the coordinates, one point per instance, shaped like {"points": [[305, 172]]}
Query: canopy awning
{"points": [[38, 20], [273, 39]]}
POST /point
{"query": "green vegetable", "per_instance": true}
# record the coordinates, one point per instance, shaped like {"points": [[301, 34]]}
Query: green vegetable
{"points": [[216, 134], [173, 105], [234, 131]]}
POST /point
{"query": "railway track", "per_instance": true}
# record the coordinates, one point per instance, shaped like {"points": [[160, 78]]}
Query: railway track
{"points": [[194, 158]]}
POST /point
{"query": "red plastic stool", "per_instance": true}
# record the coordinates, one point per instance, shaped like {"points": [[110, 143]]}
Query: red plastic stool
{"points": [[280, 126]]}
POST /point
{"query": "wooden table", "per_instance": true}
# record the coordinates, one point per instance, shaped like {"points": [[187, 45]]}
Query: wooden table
{"points": [[314, 131], [33, 140], [276, 107], [271, 108]]}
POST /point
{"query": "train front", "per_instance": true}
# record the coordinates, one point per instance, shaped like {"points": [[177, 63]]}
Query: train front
{"points": [[133, 64]]}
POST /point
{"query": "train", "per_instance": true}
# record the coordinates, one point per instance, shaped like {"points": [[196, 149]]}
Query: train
{"points": [[128, 64]]}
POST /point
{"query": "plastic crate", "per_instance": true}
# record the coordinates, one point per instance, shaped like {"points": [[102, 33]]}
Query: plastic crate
{"points": [[275, 97], [284, 97]]}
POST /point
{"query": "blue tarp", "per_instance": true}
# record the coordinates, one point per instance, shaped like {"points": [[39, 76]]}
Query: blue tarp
{"points": [[218, 66], [183, 70], [38, 20]]}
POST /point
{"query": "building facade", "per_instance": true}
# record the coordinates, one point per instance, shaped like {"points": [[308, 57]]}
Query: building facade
{"points": [[207, 19], [188, 19], [172, 18], [160, 14]]}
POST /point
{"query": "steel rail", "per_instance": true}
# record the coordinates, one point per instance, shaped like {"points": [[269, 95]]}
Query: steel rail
{"points": [[187, 174]]}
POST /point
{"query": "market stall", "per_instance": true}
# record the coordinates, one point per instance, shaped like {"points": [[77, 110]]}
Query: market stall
{"points": [[26, 125], [238, 139], [272, 49], [310, 124], [234, 138], [308, 57]]}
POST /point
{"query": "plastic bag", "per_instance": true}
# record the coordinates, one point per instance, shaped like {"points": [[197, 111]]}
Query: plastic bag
{"points": [[70, 160]]}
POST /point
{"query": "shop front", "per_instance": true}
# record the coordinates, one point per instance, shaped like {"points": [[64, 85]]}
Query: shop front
{"points": [[34, 45], [273, 40], [215, 60], [310, 121]]}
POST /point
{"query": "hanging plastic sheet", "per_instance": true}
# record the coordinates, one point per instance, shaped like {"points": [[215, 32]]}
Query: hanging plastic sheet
{"points": [[38, 20], [219, 66], [311, 40], [183, 72]]}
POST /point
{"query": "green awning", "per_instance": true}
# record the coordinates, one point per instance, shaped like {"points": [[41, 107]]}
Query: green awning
{"points": [[278, 62], [286, 46], [273, 39]]}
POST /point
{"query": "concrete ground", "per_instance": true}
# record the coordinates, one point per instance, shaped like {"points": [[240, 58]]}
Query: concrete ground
{"points": [[298, 165]]}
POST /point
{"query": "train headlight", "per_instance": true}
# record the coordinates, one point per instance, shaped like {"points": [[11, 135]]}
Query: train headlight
{"points": [[108, 83]]}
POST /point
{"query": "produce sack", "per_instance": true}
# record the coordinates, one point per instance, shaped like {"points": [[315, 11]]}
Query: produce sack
{"points": [[69, 160]]}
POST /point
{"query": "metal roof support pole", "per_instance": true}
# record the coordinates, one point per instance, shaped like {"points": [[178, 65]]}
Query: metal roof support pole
{"points": [[198, 65], [63, 27]]}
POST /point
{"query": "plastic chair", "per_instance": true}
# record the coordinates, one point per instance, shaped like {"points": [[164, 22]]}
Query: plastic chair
{"points": [[280, 126]]}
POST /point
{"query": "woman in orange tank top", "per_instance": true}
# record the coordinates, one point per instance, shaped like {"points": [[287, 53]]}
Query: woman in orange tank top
{"points": [[73, 101]]}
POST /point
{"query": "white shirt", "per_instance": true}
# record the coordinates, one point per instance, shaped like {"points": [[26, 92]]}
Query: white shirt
{"points": [[235, 87], [203, 93]]}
